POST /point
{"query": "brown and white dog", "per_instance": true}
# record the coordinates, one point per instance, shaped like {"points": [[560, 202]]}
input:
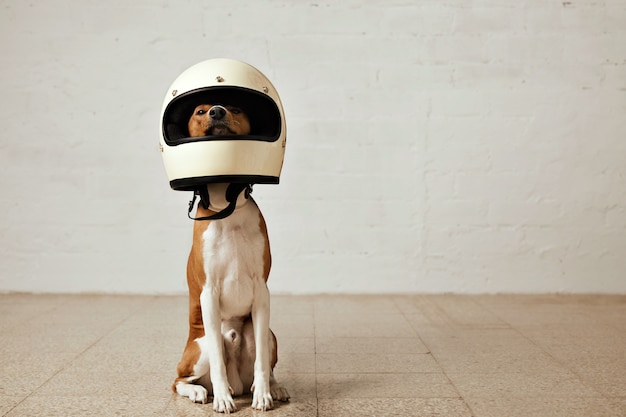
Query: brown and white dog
{"points": [[230, 349], [214, 120]]}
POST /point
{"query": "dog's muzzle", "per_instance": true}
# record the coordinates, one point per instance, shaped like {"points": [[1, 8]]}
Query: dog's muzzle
{"points": [[217, 112]]}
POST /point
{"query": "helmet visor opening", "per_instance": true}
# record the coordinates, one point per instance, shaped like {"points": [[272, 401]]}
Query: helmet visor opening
{"points": [[261, 110]]}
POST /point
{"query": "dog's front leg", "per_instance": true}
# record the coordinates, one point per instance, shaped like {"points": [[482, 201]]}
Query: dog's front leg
{"points": [[261, 399], [222, 398]]}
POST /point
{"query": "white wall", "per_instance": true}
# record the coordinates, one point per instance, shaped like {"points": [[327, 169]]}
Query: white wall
{"points": [[434, 146]]}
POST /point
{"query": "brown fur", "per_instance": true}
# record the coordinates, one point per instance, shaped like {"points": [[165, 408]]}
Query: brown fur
{"points": [[234, 123]]}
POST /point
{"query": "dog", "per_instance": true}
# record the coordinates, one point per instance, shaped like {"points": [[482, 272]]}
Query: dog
{"points": [[231, 349], [218, 120]]}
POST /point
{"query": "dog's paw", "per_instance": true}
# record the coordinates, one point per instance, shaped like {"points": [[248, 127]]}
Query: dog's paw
{"points": [[196, 393], [262, 401], [262, 398], [223, 402], [279, 392]]}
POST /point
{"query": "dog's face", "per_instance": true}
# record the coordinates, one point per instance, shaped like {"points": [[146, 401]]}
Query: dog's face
{"points": [[218, 120]]}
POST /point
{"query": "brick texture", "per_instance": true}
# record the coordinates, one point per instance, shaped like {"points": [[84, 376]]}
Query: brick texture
{"points": [[448, 146]]}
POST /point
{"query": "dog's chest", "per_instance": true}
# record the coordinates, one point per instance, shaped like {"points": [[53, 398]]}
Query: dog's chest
{"points": [[233, 259]]}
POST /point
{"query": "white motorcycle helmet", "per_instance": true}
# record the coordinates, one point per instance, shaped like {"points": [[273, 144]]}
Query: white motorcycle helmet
{"points": [[193, 162]]}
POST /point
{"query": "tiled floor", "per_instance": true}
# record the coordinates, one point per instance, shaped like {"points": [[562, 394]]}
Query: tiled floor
{"points": [[452, 356]]}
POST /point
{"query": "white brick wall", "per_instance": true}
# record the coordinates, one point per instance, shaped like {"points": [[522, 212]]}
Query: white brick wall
{"points": [[448, 146]]}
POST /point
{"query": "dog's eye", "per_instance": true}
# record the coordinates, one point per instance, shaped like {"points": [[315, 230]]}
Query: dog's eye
{"points": [[200, 112], [235, 110]]}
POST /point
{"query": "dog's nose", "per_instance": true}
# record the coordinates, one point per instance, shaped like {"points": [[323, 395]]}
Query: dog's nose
{"points": [[217, 112]]}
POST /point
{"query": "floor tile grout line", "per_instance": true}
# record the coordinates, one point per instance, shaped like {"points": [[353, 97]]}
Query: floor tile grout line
{"points": [[541, 348], [430, 329], [33, 316], [434, 356], [78, 355], [561, 363], [314, 309]]}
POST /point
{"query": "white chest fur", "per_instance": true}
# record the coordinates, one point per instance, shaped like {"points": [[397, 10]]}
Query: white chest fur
{"points": [[233, 251]]}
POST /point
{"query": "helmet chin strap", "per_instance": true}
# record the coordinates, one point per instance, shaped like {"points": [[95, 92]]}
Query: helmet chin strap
{"points": [[232, 193]]}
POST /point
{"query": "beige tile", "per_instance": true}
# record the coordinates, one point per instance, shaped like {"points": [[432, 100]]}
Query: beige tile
{"points": [[610, 381], [24, 372], [117, 357], [425, 312], [570, 406], [488, 351], [577, 341], [617, 407], [376, 363], [152, 325], [78, 321], [296, 363], [17, 309], [295, 345], [164, 309], [610, 316], [522, 310], [59, 334], [355, 314], [183, 407], [546, 355], [45, 342], [300, 386], [465, 312], [382, 407], [96, 405], [8, 402], [420, 325], [368, 326], [503, 362], [295, 325], [380, 345], [355, 305], [490, 341], [125, 341], [410, 305], [559, 384], [339, 386], [80, 312], [84, 383], [442, 311], [286, 305], [293, 408]]}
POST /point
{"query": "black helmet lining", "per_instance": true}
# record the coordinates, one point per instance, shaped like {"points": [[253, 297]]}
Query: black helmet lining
{"points": [[262, 111]]}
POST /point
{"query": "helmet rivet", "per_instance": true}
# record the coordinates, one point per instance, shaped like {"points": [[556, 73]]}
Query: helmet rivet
{"points": [[174, 92], [265, 89], [219, 79]]}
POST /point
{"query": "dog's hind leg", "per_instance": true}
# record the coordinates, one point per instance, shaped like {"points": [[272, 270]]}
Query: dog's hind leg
{"points": [[232, 350], [195, 392], [247, 358], [191, 368], [278, 392]]}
